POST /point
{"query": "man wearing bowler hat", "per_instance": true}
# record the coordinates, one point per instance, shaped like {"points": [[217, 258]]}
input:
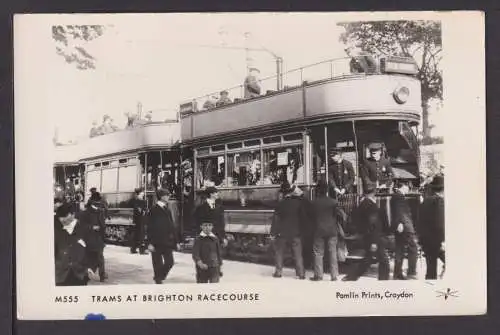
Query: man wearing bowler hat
{"points": [[162, 237], [431, 226], [340, 173], [376, 169], [212, 211]]}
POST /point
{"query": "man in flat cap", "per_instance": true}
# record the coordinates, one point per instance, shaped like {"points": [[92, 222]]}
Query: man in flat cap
{"points": [[224, 99], [340, 173], [251, 84], [376, 169]]}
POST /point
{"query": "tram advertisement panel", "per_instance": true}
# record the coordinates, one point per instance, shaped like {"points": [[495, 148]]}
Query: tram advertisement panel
{"points": [[214, 173]]}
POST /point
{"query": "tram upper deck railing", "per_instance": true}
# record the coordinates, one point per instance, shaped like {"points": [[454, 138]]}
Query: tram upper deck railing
{"points": [[338, 68]]}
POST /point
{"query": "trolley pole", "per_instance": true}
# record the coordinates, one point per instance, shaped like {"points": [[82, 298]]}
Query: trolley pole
{"points": [[326, 161]]}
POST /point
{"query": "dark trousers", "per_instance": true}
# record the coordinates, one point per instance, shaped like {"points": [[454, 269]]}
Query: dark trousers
{"points": [[72, 280], [279, 247], [405, 241], [138, 238], [96, 259], [319, 250], [380, 256], [163, 261], [210, 275], [432, 254]]}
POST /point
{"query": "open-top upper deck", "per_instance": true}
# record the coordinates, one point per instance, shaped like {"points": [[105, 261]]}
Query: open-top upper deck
{"points": [[149, 136], [327, 91]]}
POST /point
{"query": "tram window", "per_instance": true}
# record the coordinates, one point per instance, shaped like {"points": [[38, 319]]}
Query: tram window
{"points": [[252, 143], [292, 137], [237, 145], [283, 164], [203, 151], [211, 171], [217, 148], [105, 163], [123, 161], [273, 139], [244, 169], [97, 165]]}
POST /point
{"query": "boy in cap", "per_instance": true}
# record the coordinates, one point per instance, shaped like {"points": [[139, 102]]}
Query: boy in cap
{"points": [[207, 255], [431, 227], [212, 211], [376, 169], [371, 222]]}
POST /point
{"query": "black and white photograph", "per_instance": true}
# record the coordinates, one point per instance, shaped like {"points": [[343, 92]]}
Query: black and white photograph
{"points": [[283, 158]]}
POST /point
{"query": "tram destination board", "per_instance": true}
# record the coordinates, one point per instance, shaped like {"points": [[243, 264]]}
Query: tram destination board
{"points": [[330, 183]]}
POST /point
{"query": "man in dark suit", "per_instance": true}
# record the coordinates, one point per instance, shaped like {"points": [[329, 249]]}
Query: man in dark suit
{"points": [[212, 211], [70, 242], [162, 237], [340, 174], [404, 231], [94, 218], [251, 84], [139, 205], [325, 211], [372, 224], [376, 169], [286, 229], [431, 227]]}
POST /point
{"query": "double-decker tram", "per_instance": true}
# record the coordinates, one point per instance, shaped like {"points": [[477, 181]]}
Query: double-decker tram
{"points": [[248, 147], [116, 164]]}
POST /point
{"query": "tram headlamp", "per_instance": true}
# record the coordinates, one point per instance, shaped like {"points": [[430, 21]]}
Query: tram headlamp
{"points": [[401, 94]]}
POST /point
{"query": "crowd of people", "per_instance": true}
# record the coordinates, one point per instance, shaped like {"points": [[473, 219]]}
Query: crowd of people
{"points": [[79, 238]]}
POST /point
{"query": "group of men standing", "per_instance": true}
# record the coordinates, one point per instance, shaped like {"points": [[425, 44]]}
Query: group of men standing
{"points": [[79, 241], [371, 223]]}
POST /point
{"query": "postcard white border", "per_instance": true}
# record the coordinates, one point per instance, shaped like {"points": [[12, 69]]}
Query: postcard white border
{"points": [[465, 161]]}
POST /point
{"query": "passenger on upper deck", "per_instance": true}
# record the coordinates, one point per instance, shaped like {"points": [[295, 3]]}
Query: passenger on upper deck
{"points": [[94, 131], [107, 125], [376, 169], [210, 103], [224, 99], [251, 84]]}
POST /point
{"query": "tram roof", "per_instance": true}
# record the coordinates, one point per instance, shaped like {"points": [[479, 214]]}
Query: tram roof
{"points": [[155, 135]]}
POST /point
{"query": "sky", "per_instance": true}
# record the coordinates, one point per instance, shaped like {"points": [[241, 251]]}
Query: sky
{"points": [[161, 61]]}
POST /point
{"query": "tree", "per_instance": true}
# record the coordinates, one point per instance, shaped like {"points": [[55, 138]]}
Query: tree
{"points": [[418, 39], [71, 43]]}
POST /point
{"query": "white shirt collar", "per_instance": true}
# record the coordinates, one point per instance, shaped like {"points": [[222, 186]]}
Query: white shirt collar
{"points": [[161, 203], [70, 227], [202, 234], [211, 203]]}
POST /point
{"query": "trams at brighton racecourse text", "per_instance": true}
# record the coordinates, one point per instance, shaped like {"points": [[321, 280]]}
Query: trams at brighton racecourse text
{"points": [[246, 146]]}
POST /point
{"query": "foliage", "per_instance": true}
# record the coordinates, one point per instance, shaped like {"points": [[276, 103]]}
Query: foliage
{"points": [[418, 39], [71, 43]]}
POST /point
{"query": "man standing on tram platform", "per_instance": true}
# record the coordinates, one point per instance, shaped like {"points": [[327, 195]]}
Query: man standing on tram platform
{"points": [[376, 169], [340, 174]]}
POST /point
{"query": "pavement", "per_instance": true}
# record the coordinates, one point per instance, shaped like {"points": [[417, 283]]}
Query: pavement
{"points": [[126, 268]]}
